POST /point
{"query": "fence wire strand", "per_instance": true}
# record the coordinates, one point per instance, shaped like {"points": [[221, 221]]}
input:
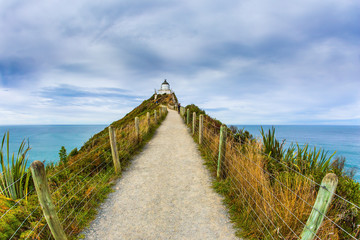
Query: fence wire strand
{"points": [[75, 175], [269, 192], [324, 215], [3, 190], [17, 202], [268, 204], [207, 143], [61, 207], [240, 191], [84, 206], [125, 144], [83, 157]]}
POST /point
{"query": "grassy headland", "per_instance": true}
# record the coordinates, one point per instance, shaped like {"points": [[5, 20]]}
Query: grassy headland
{"points": [[270, 190], [81, 180]]}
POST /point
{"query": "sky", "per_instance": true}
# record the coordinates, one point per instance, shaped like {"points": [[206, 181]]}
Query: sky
{"points": [[243, 62]]}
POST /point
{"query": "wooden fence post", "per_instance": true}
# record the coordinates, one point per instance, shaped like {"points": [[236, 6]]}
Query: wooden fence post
{"points": [[201, 126], [222, 148], [148, 118], [188, 116], [194, 122], [43, 192], [114, 151], [137, 128], [160, 112], [321, 205], [182, 112], [155, 116]]}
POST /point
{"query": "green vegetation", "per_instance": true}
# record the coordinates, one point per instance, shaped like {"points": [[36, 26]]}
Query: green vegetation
{"points": [[194, 108], [62, 155], [240, 135], [307, 161], [272, 146], [266, 196], [81, 180], [73, 152], [14, 179]]}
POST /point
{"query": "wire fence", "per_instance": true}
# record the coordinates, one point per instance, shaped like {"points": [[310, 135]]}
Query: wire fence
{"points": [[270, 205], [77, 187]]}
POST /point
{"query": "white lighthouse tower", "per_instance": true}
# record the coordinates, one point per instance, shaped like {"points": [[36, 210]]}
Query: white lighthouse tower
{"points": [[165, 88]]}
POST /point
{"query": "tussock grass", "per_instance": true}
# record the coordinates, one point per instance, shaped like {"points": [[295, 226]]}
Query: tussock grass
{"points": [[265, 197]]}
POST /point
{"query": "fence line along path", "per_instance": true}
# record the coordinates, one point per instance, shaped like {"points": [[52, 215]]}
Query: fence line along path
{"points": [[165, 194]]}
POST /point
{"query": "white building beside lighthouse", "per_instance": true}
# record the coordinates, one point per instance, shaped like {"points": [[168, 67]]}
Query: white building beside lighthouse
{"points": [[165, 88]]}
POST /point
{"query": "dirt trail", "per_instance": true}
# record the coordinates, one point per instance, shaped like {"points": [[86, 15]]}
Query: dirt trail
{"points": [[165, 194]]}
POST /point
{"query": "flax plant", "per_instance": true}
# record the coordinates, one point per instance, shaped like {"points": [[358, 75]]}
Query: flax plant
{"points": [[266, 196], [14, 179], [311, 161], [303, 159]]}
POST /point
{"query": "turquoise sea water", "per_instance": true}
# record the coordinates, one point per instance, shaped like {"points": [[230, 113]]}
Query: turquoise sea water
{"points": [[46, 140], [345, 140]]}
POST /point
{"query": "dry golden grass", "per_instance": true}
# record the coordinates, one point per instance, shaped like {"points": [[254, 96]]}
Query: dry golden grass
{"points": [[266, 205]]}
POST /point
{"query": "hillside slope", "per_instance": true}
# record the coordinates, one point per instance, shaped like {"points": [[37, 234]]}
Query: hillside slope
{"points": [[81, 180]]}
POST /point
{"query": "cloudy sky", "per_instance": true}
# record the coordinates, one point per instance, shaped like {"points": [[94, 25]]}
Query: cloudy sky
{"points": [[244, 61]]}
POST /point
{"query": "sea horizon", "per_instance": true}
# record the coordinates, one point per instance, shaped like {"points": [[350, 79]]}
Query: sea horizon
{"points": [[344, 140], [62, 124], [47, 139], [104, 124]]}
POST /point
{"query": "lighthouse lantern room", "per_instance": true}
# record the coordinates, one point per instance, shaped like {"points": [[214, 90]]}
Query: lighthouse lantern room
{"points": [[165, 88]]}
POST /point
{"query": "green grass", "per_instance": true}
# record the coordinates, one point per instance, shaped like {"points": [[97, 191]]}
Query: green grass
{"points": [[80, 182]]}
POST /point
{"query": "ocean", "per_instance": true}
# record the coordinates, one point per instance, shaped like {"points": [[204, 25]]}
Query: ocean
{"points": [[46, 140], [344, 140]]}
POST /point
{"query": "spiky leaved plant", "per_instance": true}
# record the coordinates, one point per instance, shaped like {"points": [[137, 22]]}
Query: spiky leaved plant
{"points": [[272, 146], [311, 161], [275, 151], [14, 179]]}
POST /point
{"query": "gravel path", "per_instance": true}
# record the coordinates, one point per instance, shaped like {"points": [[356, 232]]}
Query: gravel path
{"points": [[165, 194]]}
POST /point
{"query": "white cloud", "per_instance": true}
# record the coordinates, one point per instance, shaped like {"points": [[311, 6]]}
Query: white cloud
{"points": [[251, 61]]}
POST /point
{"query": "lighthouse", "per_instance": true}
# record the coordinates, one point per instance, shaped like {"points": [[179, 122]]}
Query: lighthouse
{"points": [[165, 88]]}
